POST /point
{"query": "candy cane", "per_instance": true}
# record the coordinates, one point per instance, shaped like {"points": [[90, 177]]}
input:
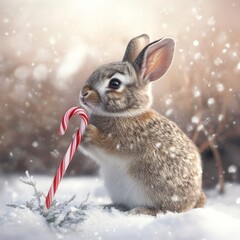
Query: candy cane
{"points": [[71, 149]]}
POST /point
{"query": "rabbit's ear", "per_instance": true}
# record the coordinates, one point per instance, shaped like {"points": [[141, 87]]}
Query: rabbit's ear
{"points": [[155, 59], [135, 46]]}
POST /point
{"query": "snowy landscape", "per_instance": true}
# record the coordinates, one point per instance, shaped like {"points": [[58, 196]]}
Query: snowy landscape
{"points": [[47, 51], [219, 220]]}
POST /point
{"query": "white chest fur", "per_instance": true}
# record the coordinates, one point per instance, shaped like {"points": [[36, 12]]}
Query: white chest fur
{"points": [[122, 188]]}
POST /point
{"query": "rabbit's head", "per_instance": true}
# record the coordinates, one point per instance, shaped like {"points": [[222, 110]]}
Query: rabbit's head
{"points": [[122, 88]]}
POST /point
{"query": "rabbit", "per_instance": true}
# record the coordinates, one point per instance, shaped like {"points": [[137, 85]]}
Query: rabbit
{"points": [[148, 164]]}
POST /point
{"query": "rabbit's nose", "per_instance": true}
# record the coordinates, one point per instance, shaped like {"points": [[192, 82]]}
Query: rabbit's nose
{"points": [[88, 96], [85, 94]]}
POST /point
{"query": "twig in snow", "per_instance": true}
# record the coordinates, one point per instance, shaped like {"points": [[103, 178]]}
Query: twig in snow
{"points": [[38, 194], [60, 216]]}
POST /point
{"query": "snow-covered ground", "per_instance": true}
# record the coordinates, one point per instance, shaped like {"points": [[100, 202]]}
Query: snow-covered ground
{"points": [[220, 219]]}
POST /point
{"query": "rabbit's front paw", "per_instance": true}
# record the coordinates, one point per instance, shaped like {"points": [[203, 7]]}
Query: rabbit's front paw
{"points": [[145, 211], [90, 135]]}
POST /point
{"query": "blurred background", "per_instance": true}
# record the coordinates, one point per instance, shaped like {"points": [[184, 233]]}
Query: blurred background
{"points": [[49, 48]]}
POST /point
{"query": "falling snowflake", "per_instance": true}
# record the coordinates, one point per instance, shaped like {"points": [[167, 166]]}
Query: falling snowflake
{"points": [[220, 87], [200, 127], [197, 55], [224, 50], [220, 117], [232, 169], [189, 127], [55, 153], [175, 198], [169, 112], [198, 17], [238, 66], [218, 61], [168, 101], [35, 144], [195, 43], [158, 145], [234, 54], [211, 137], [227, 45], [195, 119], [196, 93], [211, 102], [52, 41], [211, 21]]}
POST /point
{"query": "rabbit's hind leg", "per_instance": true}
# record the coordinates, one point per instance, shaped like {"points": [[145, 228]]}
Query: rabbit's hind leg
{"points": [[201, 201]]}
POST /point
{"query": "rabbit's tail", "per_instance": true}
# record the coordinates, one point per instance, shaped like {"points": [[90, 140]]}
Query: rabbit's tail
{"points": [[201, 201]]}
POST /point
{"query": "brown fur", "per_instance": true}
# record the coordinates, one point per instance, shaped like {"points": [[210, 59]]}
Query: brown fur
{"points": [[154, 166]]}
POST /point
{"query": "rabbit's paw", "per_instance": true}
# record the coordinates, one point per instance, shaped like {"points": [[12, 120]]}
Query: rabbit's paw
{"points": [[91, 135], [145, 211]]}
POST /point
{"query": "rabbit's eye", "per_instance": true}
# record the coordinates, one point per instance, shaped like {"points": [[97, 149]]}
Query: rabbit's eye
{"points": [[114, 83]]}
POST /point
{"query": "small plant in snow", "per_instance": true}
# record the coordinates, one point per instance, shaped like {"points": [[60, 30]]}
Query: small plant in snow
{"points": [[61, 216]]}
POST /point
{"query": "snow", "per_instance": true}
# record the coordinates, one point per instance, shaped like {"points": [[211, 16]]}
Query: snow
{"points": [[220, 219], [195, 119], [168, 101], [232, 169], [196, 92], [195, 43], [220, 117], [211, 21], [238, 66], [54, 153], [158, 145], [211, 101], [169, 112], [220, 87], [35, 144]]}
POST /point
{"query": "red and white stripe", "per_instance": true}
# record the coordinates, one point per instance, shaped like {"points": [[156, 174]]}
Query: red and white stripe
{"points": [[71, 149]]}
